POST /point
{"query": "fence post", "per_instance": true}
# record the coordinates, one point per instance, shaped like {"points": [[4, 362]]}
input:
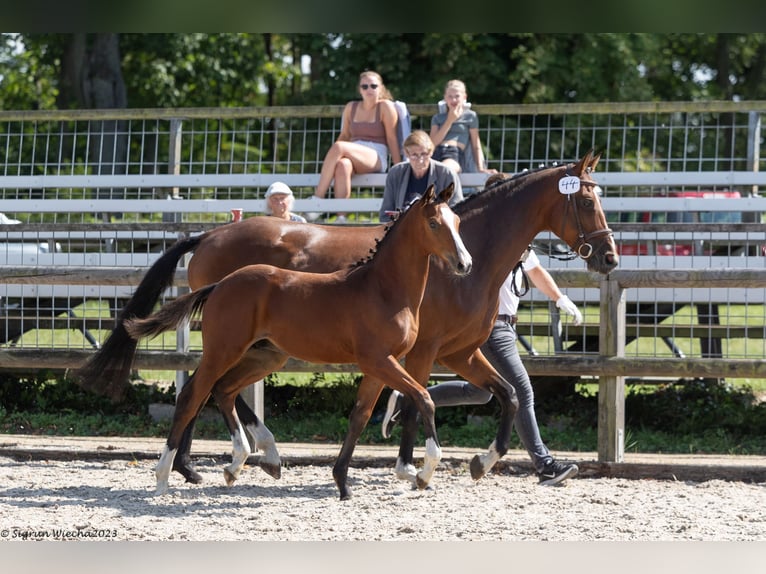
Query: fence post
{"points": [[611, 390], [753, 151], [174, 167]]}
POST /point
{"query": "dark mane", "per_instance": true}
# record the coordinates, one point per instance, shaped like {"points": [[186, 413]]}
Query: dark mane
{"points": [[380, 241], [468, 203]]}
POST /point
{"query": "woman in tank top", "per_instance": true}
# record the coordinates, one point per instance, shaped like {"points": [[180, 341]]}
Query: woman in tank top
{"points": [[368, 135]]}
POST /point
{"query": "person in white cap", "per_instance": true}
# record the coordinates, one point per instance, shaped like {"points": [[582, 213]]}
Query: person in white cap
{"points": [[279, 200]]}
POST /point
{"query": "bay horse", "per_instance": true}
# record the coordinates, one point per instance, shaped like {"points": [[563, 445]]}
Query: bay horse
{"points": [[497, 225], [367, 314]]}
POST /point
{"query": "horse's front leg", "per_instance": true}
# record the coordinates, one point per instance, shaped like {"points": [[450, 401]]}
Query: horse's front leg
{"points": [[405, 465], [401, 380], [366, 397], [478, 371], [418, 364]]}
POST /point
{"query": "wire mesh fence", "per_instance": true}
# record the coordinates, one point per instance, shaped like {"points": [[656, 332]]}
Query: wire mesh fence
{"points": [[116, 153]]}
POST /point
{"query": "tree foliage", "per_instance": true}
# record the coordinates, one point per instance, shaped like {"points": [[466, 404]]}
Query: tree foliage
{"points": [[44, 71]]}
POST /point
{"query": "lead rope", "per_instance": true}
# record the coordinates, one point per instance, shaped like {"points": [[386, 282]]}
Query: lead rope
{"points": [[524, 278]]}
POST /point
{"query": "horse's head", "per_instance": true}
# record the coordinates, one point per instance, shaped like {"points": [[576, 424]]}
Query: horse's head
{"points": [[584, 225], [441, 228]]}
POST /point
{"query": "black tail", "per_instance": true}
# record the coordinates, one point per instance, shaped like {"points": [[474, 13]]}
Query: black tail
{"points": [[107, 372], [170, 316]]}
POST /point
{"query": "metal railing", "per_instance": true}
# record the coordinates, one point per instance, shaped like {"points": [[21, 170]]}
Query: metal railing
{"points": [[99, 194]]}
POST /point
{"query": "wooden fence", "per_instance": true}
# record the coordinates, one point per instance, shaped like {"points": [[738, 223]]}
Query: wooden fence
{"points": [[64, 172], [610, 365]]}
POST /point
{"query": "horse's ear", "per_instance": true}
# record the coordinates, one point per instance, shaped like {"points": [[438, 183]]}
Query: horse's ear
{"points": [[446, 193], [586, 162], [594, 161], [429, 195]]}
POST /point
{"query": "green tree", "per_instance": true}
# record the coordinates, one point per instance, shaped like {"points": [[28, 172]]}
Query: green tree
{"points": [[190, 70]]}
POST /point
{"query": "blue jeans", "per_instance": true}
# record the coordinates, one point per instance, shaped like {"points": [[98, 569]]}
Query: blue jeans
{"points": [[501, 351]]}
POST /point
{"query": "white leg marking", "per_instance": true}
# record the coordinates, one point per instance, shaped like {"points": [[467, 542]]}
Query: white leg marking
{"points": [[488, 460], [405, 471], [430, 460], [240, 450], [264, 441], [163, 468]]}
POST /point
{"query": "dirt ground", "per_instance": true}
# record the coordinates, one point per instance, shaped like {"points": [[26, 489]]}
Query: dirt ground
{"points": [[114, 500]]}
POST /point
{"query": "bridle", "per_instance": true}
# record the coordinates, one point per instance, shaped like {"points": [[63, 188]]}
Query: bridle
{"points": [[583, 248]]}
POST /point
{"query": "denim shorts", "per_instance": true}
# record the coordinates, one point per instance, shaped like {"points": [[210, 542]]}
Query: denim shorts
{"points": [[452, 152]]}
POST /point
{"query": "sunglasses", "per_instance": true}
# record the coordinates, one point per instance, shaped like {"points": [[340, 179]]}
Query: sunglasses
{"points": [[365, 86]]}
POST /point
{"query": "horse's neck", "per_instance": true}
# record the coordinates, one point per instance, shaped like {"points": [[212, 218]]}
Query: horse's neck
{"points": [[498, 233], [401, 263]]}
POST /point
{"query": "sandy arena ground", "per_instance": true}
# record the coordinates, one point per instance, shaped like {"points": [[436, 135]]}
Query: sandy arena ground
{"points": [[114, 500]]}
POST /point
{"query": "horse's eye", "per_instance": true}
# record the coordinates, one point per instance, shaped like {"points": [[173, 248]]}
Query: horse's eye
{"points": [[587, 203], [433, 224]]}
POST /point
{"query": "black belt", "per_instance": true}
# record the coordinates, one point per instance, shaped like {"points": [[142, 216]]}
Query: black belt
{"points": [[510, 319]]}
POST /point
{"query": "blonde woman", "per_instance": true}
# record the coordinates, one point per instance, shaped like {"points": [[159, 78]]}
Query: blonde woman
{"points": [[368, 135], [455, 132]]}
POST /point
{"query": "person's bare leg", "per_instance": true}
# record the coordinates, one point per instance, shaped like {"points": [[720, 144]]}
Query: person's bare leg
{"points": [[344, 169], [327, 174]]}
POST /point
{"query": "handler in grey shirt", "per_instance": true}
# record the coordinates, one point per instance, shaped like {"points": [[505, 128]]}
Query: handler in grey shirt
{"points": [[409, 179]]}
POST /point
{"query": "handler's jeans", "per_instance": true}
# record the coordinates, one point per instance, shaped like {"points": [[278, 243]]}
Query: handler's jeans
{"points": [[501, 351]]}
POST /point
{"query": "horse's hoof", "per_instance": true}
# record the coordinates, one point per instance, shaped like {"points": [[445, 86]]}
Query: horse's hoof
{"points": [[345, 494], [420, 483], [273, 470], [189, 474], [229, 477], [406, 472], [161, 490], [477, 468]]}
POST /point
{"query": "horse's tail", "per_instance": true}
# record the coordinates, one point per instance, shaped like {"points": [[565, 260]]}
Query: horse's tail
{"points": [[170, 316], [107, 371]]}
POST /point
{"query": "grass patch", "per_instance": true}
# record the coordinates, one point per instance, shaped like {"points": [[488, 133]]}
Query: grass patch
{"points": [[700, 416]]}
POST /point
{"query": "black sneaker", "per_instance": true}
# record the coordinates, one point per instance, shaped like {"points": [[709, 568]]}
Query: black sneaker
{"points": [[393, 409], [556, 473]]}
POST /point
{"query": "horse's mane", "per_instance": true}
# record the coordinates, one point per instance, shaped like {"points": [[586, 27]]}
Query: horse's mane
{"points": [[401, 214], [470, 201], [459, 208]]}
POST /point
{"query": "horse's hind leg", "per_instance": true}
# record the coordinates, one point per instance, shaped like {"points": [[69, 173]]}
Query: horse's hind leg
{"points": [[182, 461], [269, 461], [478, 371], [226, 391], [258, 362], [190, 401], [254, 365]]}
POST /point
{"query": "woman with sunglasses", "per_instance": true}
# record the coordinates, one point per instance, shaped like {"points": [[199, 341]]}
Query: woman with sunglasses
{"points": [[368, 135], [408, 180]]}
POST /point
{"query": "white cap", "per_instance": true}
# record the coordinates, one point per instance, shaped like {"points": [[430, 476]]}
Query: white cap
{"points": [[278, 187]]}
